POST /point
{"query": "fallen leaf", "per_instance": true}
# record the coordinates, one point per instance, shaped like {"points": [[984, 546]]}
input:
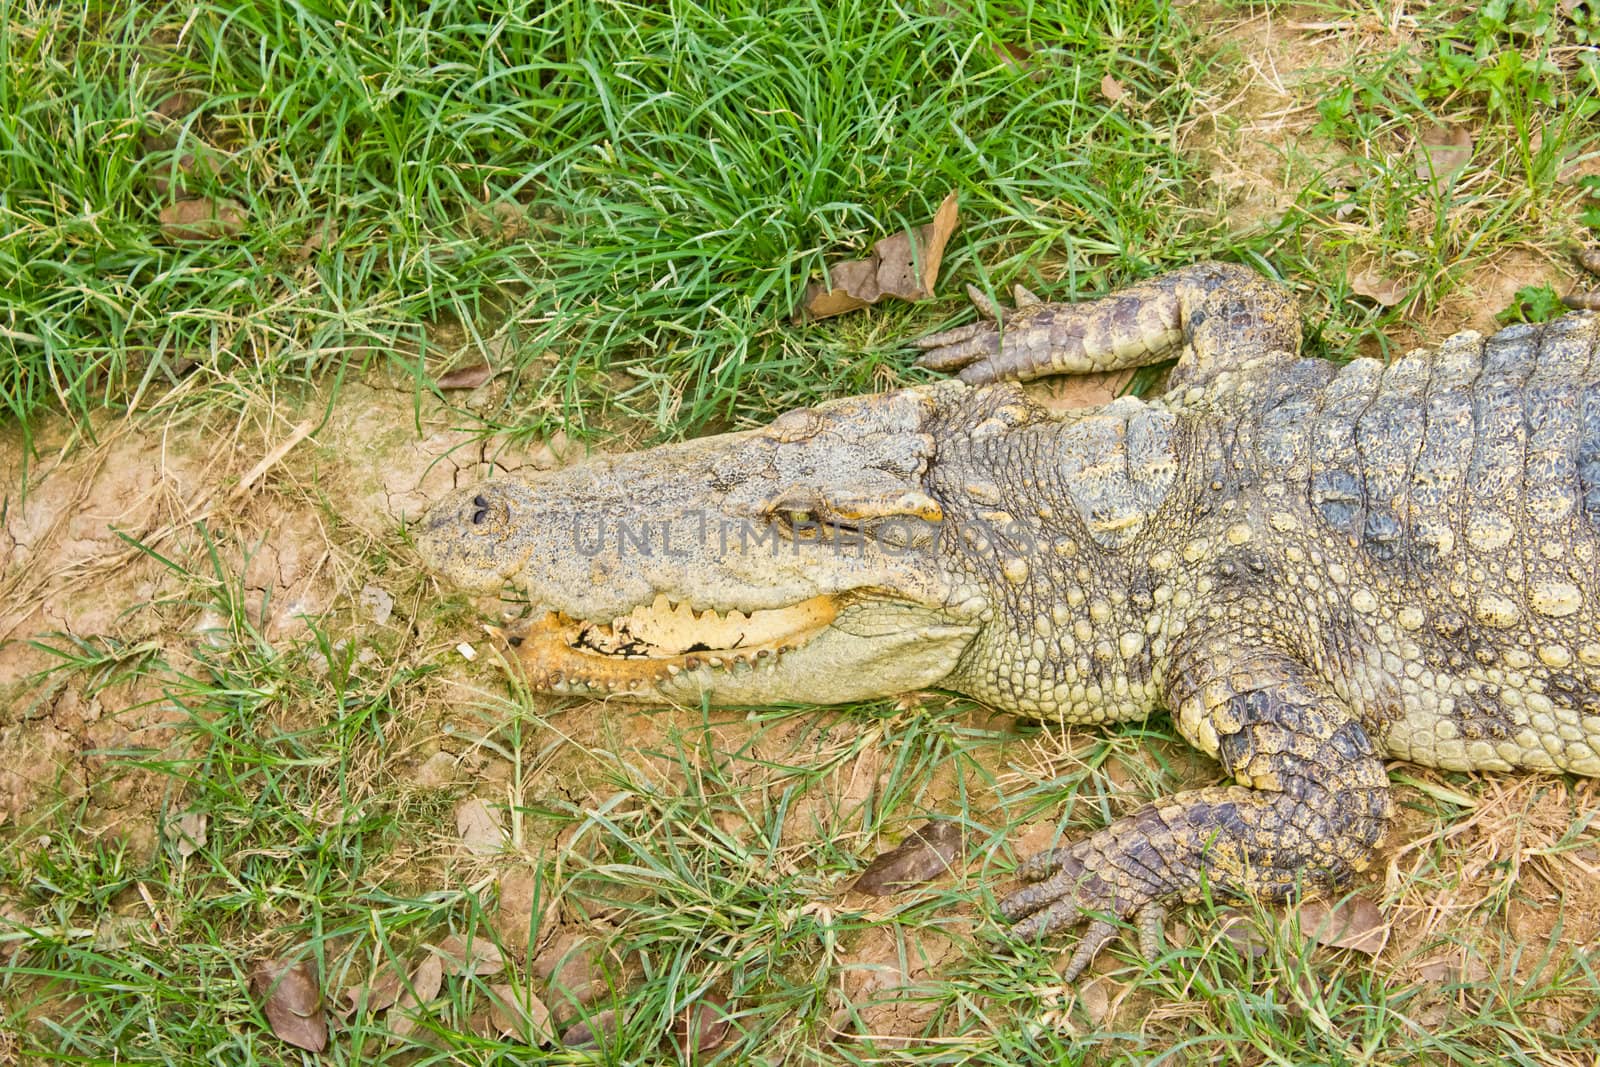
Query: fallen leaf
{"points": [[570, 966], [1094, 996], [291, 1000], [202, 219], [381, 991], [587, 1032], [1451, 969], [1015, 57], [909, 270], [927, 852], [519, 1014], [437, 771], [466, 377], [426, 980], [1112, 89], [1445, 153], [165, 117], [188, 833], [849, 286], [461, 957], [504, 219], [479, 827], [1375, 286], [179, 104], [512, 917], [905, 266], [316, 241], [187, 164], [701, 1027], [1354, 923], [1242, 933]]}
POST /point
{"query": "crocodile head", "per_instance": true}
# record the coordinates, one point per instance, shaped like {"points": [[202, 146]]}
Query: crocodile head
{"points": [[797, 562]]}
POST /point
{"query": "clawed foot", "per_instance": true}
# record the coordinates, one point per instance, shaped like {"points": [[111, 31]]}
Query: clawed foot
{"points": [[1586, 300], [1064, 890], [974, 349]]}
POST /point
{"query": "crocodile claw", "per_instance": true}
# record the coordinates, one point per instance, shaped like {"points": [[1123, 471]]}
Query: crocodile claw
{"points": [[976, 349], [1064, 891], [954, 349]]}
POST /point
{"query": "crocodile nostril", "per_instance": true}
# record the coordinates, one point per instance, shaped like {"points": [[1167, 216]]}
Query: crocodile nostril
{"points": [[480, 510]]}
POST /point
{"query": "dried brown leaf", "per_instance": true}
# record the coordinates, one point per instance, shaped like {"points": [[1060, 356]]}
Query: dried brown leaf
{"points": [[427, 978], [1112, 89], [904, 265], [927, 852], [1242, 933], [588, 1032], [479, 957], [1016, 57], [188, 833], [850, 285], [504, 219], [519, 1014], [701, 1027], [1353, 923], [381, 991], [291, 999], [571, 967], [512, 917], [1094, 996], [178, 105], [1444, 153], [908, 264], [1375, 286], [466, 377], [203, 219], [479, 827], [1444, 970], [315, 241]]}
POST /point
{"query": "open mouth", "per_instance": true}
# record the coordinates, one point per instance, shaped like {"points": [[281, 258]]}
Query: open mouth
{"points": [[657, 642]]}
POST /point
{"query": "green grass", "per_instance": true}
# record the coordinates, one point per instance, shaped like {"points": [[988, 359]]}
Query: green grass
{"points": [[619, 205], [674, 175]]}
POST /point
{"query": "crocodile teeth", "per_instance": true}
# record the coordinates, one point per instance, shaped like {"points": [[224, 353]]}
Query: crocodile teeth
{"points": [[657, 642]]}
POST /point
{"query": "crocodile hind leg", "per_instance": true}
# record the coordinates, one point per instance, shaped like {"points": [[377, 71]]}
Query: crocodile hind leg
{"points": [[1311, 804], [1212, 315]]}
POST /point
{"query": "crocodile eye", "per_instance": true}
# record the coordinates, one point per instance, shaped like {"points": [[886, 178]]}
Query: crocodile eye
{"points": [[480, 510]]}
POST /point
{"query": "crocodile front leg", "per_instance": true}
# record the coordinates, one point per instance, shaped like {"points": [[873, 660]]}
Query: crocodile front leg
{"points": [[1211, 315], [1311, 805]]}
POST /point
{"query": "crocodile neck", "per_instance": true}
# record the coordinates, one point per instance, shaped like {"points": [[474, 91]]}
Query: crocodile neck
{"points": [[1061, 532]]}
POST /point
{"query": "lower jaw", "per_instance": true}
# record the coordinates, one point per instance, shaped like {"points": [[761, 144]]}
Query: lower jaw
{"points": [[554, 661], [828, 668]]}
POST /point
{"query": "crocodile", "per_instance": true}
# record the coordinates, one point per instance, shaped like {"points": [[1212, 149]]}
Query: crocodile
{"points": [[1313, 567]]}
